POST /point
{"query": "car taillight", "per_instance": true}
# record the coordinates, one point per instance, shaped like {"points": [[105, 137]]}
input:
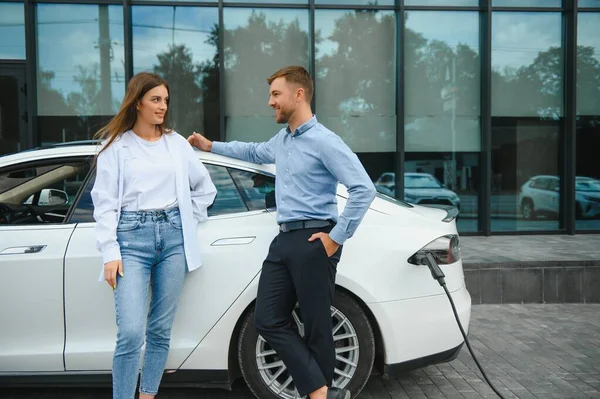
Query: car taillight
{"points": [[446, 250]]}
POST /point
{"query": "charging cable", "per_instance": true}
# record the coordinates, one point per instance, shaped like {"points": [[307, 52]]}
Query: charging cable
{"points": [[439, 275]]}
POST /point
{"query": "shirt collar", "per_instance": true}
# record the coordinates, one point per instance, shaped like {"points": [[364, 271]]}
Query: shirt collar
{"points": [[304, 127]]}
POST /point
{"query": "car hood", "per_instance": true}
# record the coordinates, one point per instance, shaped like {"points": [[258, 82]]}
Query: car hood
{"points": [[591, 194]]}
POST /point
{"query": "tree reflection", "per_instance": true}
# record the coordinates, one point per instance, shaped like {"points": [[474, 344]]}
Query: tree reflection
{"points": [[255, 50], [185, 93]]}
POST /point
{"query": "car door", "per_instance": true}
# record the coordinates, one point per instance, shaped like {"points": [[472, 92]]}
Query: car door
{"points": [[539, 190], [553, 195], [33, 240], [233, 241]]}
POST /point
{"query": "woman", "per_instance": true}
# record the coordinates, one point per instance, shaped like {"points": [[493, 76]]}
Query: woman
{"points": [[149, 195]]}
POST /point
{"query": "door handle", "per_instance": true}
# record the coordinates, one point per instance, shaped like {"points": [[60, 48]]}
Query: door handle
{"points": [[233, 241], [32, 249]]}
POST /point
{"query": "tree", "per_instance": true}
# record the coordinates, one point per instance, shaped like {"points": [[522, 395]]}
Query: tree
{"points": [[51, 101], [210, 88], [252, 52], [588, 81], [356, 81], [87, 101], [185, 93]]}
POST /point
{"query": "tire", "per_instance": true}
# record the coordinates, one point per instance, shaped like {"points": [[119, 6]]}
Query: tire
{"points": [[350, 318], [527, 209]]}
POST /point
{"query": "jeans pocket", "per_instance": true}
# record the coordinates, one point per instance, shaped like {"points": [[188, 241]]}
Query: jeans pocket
{"points": [[176, 222], [128, 225]]}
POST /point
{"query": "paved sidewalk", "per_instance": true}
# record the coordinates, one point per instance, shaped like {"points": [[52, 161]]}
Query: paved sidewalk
{"points": [[528, 351], [582, 249]]}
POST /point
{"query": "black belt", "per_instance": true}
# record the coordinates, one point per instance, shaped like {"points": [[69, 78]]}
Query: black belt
{"points": [[303, 224]]}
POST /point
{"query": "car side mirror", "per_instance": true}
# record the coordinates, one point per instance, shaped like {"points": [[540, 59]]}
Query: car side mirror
{"points": [[55, 197]]}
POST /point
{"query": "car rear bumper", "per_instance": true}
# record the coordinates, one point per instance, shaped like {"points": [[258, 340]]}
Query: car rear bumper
{"points": [[396, 369], [422, 328]]}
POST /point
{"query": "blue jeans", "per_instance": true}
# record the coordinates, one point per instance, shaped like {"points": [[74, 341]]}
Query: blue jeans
{"points": [[153, 257]]}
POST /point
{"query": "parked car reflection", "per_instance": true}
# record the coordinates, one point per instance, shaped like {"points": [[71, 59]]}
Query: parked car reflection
{"points": [[419, 188], [540, 195]]}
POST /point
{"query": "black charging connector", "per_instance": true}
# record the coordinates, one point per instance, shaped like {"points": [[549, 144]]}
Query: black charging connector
{"points": [[434, 268], [428, 259]]}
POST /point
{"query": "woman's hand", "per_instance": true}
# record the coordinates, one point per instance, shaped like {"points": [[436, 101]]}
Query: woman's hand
{"points": [[110, 272]]}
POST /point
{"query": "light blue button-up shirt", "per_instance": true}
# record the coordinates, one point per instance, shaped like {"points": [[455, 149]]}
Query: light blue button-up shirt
{"points": [[310, 162]]}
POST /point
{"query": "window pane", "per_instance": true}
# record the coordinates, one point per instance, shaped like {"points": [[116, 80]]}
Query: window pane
{"points": [[588, 3], [356, 2], [257, 43], [442, 111], [40, 194], [527, 74], [356, 83], [181, 45], [228, 198], [257, 189], [587, 184], [588, 64], [524, 150], [473, 3], [526, 3], [270, 1], [80, 76], [12, 31], [527, 81]]}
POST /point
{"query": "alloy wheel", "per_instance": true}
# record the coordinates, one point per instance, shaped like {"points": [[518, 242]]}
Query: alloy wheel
{"points": [[274, 372]]}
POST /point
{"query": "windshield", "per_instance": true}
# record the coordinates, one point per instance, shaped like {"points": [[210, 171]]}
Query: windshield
{"points": [[421, 182], [587, 185]]}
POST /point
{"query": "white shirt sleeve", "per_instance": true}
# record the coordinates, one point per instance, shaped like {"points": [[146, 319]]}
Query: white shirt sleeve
{"points": [[105, 196], [202, 189]]}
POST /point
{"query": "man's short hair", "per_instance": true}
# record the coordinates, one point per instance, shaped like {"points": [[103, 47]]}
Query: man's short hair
{"points": [[298, 75]]}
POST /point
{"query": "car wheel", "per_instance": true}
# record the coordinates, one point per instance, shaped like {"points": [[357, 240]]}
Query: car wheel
{"points": [[267, 376], [527, 209]]}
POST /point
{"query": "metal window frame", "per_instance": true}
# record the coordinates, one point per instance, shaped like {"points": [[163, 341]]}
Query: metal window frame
{"points": [[485, 156]]}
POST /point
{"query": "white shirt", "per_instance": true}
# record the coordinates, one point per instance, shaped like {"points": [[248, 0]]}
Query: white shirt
{"points": [[149, 176], [194, 187]]}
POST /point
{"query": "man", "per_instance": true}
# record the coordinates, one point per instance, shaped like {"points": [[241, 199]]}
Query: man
{"points": [[301, 263]]}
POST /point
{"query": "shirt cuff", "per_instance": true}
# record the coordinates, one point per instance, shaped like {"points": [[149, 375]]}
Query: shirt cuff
{"points": [[111, 253], [337, 235], [218, 147]]}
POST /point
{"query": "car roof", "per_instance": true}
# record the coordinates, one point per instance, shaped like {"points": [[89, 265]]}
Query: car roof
{"points": [[77, 150]]}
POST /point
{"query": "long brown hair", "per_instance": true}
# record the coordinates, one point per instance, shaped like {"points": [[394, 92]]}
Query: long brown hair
{"points": [[137, 88]]}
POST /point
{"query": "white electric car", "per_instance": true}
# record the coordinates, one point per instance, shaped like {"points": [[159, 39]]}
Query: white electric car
{"points": [[57, 322]]}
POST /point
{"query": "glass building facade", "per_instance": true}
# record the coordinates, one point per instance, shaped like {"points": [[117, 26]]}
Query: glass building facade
{"points": [[492, 106]]}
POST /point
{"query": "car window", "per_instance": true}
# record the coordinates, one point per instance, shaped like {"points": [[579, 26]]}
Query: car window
{"points": [[540, 183], [421, 181], [38, 193], [553, 184], [228, 198], [84, 209], [257, 189], [386, 179]]}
